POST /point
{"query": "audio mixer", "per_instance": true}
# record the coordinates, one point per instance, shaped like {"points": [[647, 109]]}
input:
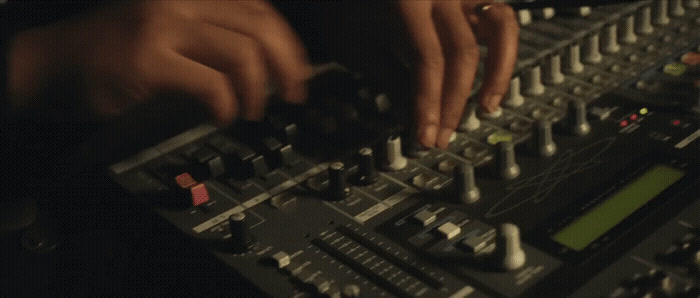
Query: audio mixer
{"points": [[584, 184]]}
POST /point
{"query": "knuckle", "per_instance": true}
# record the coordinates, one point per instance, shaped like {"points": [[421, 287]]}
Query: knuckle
{"points": [[503, 14]]}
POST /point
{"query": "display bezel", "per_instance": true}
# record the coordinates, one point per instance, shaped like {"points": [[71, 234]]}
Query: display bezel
{"points": [[546, 231]]}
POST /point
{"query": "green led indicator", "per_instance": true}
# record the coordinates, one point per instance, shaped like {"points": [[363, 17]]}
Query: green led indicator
{"points": [[643, 111]]}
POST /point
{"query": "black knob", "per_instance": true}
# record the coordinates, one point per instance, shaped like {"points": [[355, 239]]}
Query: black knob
{"points": [[576, 122], [541, 142], [338, 188], [504, 162], [240, 237], [366, 169], [465, 184]]}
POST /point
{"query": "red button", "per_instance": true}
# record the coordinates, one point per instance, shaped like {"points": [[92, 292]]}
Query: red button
{"points": [[633, 117], [623, 123], [200, 195], [185, 180]]}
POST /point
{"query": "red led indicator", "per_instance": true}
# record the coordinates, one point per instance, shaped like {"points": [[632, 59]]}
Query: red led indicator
{"points": [[623, 123], [676, 122], [634, 117]]}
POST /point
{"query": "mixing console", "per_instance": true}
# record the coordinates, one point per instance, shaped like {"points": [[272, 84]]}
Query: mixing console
{"points": [[584, 184]]}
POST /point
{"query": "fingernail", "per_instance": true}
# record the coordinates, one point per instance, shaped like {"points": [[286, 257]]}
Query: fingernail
{"points": [[444, 137], [493, 102], [428, 135]]}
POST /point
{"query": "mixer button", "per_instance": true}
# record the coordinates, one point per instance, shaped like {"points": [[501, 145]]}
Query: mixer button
{"points": [[395, 159], [474, 244], [471, 122], [447, 166], [367, 171], [425, 217], [557, 102], [572, 58], [449, 230], [615, 68], [338, 188], [632, 58], [576, 122], [534, 81], [185, 180], [240, 236], [596, 79], [504, 164], [628, 34], [492, 115], [465, 183], [592, 53], [509, 254], [553, 75], [514, 98], [610, 44], [541, 141], [660, 12], [677, 9], [200, 194], [281, 259], [644, 25]]}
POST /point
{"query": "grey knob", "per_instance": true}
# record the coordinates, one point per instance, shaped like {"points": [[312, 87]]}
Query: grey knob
{"points": [[505, 165], [692, 3], [240, 237], [534, 81], [471, 122], [677, 8], [660, 12], [338, 188], [514, 99], [643, 19], [553, 75], [627, 32], [576, 122], [509, 252], [395, 159], [465, 183], [592, 50], [542, 142], [572, 58], [610, 44], [366, 170]]}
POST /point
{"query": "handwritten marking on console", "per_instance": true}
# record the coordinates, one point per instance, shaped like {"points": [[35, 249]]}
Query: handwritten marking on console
{"points": [[545, 182]]}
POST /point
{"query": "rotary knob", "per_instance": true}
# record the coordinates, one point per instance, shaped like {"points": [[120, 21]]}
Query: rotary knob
{"points": [[509, 254], [505, 165], [541, 142], [338, 188], [660, 12], [240, 236], [553, 75], [575, 121], [465, 183], [644, 25], [366, 170], [514, 99], [395, 159], [592, 50]]}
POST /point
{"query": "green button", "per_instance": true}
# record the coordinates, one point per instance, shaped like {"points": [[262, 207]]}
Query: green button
{"points": [[498, 137], [675, 69]]}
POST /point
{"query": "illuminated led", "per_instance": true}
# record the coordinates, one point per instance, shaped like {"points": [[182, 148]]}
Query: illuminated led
{"points": [[633, 117], [623, 123], [676, 122], [643, 111]]}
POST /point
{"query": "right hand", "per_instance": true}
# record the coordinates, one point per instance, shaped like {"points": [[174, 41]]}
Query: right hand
{"points": [[222, 52]]}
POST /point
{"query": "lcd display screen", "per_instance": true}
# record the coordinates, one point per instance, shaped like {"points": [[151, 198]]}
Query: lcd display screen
{"points": [[606, 215]]}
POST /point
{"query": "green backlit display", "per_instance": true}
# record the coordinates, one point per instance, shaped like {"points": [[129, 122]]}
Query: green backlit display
{"points": [[587, 228]]}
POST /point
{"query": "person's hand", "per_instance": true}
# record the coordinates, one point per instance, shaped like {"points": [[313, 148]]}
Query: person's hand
{"points": [[221, 52], [444, 35]]}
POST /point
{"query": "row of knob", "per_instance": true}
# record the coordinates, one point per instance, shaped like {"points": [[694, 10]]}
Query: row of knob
{"points": [[504, 165], [594, 46]]}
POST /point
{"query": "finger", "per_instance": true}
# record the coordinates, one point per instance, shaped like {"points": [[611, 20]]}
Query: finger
{"points": [[238, 56], [281, 46], [461, 59], [498, 26], [179, 73], [430, 65]]}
